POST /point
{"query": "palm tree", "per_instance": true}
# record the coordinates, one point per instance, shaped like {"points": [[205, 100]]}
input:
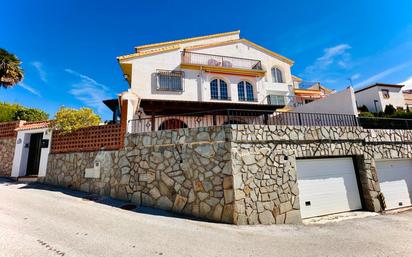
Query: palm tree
{"points": [[10, 71]]}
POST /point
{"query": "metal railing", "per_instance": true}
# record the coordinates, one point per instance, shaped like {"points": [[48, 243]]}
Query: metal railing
{"points": [[248, 99], [384, 123], [230, 117], [288, 100], [222, 98], [220, 61]]}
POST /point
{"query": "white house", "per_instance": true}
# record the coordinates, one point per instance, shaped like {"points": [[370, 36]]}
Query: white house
{"points": [[376, 97], [214, 72]]}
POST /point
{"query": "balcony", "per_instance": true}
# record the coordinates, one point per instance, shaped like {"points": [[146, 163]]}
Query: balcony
{"points": [[248, 99], [276, 87], [222, 64], [221, 98], [284, 100]]}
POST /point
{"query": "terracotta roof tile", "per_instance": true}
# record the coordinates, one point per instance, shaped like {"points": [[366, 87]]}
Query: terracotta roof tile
{"points": [[34, 125]]}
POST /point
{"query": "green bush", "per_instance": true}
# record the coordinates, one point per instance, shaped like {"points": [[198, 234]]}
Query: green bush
{"points": [[389, 110], [11, 112], [366, 114], [363, 108], [68, 120], [402, 115]]}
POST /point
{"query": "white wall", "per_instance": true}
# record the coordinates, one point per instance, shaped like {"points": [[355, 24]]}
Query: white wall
{"points": [[342, 102], [367, 97], [396, 97], [21, 152], [196, 84]]}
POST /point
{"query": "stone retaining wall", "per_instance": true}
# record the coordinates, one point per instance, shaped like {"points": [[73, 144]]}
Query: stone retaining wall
{"points": [[264, 165], [241, 174], [187, 171], [7, 146]]}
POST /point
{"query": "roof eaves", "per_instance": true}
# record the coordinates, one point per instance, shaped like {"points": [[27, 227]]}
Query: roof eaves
{"points": [[148, 52], [173, 42], [228, 42], [281, 57], [378, 85]]}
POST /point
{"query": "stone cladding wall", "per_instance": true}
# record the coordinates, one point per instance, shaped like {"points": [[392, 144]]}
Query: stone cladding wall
{"points": [[240, 174], [264, 165], [7, 146], [187, 171]]}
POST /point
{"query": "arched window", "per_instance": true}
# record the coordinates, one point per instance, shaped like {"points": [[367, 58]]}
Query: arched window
{"points": [[245, 91], [218, 89], [277, 75], [172, 124]]}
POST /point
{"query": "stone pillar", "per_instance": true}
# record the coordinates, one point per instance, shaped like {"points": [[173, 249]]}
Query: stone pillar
{"points": [[265, 185], [369, 182]]}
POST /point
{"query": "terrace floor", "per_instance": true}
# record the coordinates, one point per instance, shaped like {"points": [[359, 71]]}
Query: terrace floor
{"points": [[38, 220]]}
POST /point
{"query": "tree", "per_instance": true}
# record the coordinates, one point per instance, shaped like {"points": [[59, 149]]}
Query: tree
{"points": [[11, 72], [30, 114], [363, 108], [11, 112], [389, 110], [68, 120]]}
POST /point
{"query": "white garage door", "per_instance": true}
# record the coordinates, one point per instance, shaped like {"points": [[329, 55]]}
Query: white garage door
{"points": [[395, 178], [327, 186]]}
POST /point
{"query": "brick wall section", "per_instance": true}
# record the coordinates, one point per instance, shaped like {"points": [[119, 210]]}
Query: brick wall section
{"points": [[7, 129], [106, 137], [7, 145]]}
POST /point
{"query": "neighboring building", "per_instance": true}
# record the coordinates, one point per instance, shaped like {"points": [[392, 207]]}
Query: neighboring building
{"points": [[306, 92], [220, 71], [376, 97], [407, 95]]}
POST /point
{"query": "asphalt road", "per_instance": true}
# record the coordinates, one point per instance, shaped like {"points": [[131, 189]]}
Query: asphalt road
{"points": [[45, 221]]}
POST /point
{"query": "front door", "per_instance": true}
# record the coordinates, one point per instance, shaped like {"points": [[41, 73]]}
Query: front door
{"points": [[33, 160]]}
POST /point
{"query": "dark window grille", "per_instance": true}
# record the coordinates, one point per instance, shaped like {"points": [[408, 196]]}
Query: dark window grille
{"points": [[170, 80]]}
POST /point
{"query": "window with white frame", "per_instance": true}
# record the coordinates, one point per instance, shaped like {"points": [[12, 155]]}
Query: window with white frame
{"points": [[277, 75], [170, 80], [245, 91], [218, 90]]}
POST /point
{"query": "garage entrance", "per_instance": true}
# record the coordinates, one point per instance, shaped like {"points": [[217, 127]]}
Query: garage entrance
{"points": [[395, 179], [327, 186]]}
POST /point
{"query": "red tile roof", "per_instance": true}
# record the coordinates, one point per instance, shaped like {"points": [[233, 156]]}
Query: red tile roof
{"points": [[34, 125]]}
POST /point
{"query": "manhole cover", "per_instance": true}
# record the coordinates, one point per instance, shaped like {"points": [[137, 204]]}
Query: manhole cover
{"points": [[128, 207]]}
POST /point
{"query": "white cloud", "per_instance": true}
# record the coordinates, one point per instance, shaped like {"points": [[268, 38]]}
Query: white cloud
{"points": [[380, 75], [89, 91], [337, 55], [407, 83], [39, 67], [29, 88], [355, 76]]}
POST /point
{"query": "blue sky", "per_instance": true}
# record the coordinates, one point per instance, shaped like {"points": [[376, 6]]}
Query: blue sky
{"points": [[69, 48]]}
